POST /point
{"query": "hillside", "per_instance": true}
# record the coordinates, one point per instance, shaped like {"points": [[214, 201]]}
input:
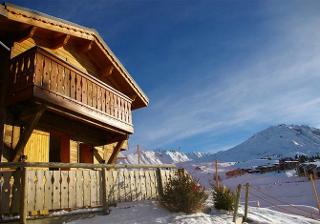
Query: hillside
{"points": [[275, 142]]}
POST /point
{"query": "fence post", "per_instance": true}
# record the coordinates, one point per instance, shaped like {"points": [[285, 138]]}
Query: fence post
{"points": [[159, 181], [236, 203], [105, 202], [315, 193], [246, 203], [24, 202]]}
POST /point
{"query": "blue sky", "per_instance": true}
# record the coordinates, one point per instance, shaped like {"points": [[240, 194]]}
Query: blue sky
{"points": [[216, 72]]}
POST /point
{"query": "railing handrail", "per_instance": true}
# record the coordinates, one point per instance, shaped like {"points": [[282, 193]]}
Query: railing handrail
{"points": [[74, 68], [83, 165]]}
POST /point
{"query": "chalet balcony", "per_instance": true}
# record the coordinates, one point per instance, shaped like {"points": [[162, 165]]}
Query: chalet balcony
{"points": [[37, 75]]}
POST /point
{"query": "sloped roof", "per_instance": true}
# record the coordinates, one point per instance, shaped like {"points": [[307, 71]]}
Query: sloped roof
{"points": [[44, 21]]}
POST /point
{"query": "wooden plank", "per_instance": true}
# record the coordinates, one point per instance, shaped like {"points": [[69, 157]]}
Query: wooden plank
{"points": [[79, 188], [56, 190], [108, 110], [143, 184], [39, 69], [121, 185], [60, 79], [37, 147], [30, 179], [90, 86], [83, 165], [84, 88], [6, 192], [98, 98], [64, 189], [39, 190], [86, 188], [109, 187], [100, 188], [163, 178], [138, 185], [66, 84], [133, 189], [93, 188], [115, 187], [48, 190], [78, 87], [16, 192], [155, 191], [46, 73], [94, 96], [53, 77], [73, 85], [23, 208], [72, 189], [148, 184], [127, 185], [73, 151], [103, 99]]}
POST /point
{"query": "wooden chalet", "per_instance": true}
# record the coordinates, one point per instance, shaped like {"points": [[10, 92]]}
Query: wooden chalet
{"points": [[65, 97], [66, 107]]}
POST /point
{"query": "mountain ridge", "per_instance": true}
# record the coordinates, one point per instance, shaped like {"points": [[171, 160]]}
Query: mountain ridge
{"points": [[274, 142]]}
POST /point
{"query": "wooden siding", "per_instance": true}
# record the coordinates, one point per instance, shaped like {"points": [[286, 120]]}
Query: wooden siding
{"points": [[74, 153], [37, 148]]}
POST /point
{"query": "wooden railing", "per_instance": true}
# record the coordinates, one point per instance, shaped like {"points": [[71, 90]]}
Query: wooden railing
{"points": [[39, 68], [32, 189]]}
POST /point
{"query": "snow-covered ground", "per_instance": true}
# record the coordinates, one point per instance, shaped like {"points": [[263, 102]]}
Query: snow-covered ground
{"points": [[148, 212], [284, 191], [273, 198]]}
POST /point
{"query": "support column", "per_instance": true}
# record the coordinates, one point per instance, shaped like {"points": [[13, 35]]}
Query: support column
{"points": [[4, 79]]}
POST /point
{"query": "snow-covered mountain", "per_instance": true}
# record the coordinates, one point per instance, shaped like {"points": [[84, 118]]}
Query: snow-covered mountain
{"points": [[163, 157], [275, 142]]}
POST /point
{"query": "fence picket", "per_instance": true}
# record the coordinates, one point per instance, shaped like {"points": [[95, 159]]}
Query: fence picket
{"points": [[79, 189]]}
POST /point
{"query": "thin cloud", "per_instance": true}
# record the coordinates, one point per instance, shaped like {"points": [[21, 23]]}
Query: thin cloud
{"points": [[278, 84]]}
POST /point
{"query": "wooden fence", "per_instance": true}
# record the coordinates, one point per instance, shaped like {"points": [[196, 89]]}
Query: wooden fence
{"points": [[76, 186]]}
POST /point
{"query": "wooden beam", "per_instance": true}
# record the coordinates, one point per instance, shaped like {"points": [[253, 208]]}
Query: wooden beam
{"points": [[109, 70], [7, 153], [81, 131], [116, 150], [27, 113], [4, 79], [60, 42], [28, 33], [24, 137], [84, 165], [87, 46], [97, 155]]}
